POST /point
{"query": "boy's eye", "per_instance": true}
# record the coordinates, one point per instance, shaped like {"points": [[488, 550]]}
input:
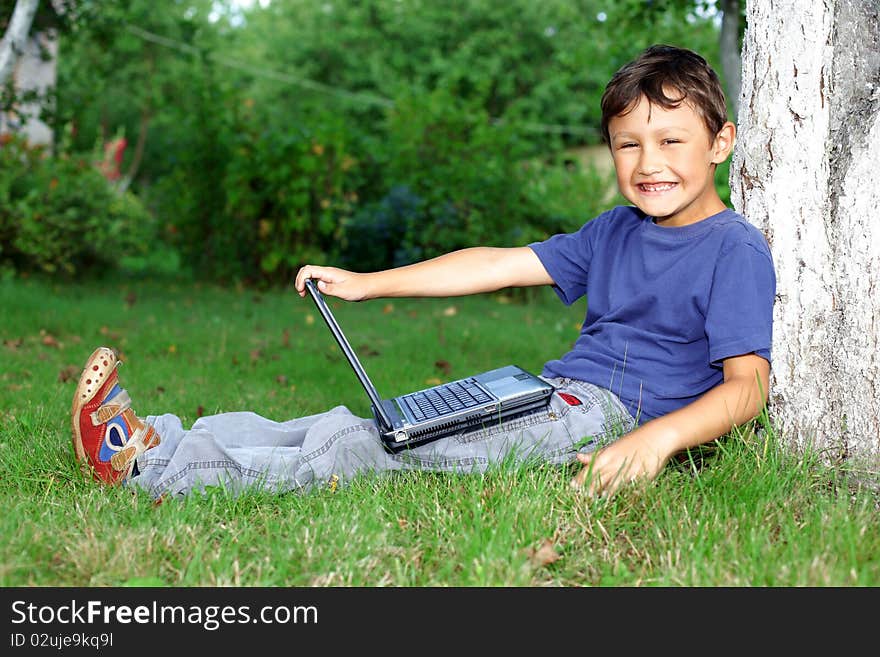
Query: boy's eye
{"points": [[629, 144], [671, 141]]}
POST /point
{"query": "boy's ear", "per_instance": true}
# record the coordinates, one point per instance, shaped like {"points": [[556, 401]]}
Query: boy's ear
{"points": [[723, 143]]}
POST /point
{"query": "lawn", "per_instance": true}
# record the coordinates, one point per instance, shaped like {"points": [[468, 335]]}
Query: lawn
{"points": [[743, 512]]}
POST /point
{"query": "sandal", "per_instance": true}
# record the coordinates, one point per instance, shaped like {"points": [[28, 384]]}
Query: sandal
{"points": [[107, 434]]}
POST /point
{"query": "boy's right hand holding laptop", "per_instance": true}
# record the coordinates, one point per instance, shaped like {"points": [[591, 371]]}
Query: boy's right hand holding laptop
{"points": [[467, 271]]}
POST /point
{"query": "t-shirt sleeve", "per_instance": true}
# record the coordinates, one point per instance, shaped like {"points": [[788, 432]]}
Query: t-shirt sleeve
{"points": [[739, 316], [566, 257]]}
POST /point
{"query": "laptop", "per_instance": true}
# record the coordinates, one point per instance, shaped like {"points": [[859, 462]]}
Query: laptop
{"points": [[448, 409]]}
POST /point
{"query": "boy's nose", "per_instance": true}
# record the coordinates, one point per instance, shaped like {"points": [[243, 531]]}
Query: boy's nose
{"points": [[650, 163]]}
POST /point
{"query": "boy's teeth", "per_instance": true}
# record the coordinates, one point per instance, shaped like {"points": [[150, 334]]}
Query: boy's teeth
{"points": [[659, 187]]}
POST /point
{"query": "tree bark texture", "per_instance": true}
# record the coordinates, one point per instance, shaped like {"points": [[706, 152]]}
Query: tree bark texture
{"points": [[13, 42], [804, 170]]}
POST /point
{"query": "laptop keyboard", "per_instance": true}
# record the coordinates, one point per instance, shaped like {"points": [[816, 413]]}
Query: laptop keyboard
{"points": [[444, 399]]}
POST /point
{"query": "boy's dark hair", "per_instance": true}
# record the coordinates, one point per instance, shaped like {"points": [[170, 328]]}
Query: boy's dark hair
{"points": [[659, 71]]}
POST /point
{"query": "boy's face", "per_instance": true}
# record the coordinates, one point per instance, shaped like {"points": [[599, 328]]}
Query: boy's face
{"points": [[665, 161]]}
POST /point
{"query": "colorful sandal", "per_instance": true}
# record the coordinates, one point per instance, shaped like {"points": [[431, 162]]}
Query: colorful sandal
{"points": [[107, 434]]}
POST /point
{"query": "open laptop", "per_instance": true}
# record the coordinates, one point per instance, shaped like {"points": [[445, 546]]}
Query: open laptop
{"points": [[447, 409]]}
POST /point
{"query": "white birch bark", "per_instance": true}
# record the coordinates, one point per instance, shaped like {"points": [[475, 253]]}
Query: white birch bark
{"points": [[804, 171], [34, 72], [13, 43]]}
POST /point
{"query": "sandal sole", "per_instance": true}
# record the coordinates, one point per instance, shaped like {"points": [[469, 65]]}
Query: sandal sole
{"points": [[101, 363]]}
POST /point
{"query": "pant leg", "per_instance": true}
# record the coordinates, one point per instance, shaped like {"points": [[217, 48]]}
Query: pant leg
{"points": [[239, 450], [235, 450], [552, 435]]}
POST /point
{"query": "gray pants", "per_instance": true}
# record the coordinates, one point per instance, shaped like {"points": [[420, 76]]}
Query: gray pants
{"points": [[243, 450]]}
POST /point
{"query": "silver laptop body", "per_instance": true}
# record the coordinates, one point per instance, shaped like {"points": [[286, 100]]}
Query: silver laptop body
{"points": [[448, 409]]}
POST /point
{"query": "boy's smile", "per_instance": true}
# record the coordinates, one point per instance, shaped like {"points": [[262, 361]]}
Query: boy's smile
{"points": [[665, 161]]}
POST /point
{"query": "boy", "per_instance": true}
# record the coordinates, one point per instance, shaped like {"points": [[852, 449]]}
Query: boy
{"points": [[674, 351]]}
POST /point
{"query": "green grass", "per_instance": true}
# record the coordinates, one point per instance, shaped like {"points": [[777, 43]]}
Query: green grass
{"points": [[743, 512]]}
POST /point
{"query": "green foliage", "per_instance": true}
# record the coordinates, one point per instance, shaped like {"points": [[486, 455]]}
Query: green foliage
{"points": [[287, 191], [569, 192], [465, 170], [429, 117], [722, 181], [59, 215]]}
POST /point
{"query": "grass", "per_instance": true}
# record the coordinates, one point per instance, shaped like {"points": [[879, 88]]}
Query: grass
{"points": [[743, 512]]}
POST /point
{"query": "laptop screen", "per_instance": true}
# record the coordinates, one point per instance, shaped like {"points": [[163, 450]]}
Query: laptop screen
{"points": [[332, 324]]}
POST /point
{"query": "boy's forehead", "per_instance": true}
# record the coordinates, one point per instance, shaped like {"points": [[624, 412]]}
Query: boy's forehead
{"points": [[643, 112]]}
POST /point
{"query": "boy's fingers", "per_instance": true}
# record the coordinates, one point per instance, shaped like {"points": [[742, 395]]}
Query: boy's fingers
{"points": [[311, 271], [587, 472]]}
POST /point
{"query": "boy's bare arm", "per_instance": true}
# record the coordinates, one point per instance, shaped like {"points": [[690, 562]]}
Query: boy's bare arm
{"points": [[468, 271], [645, 451]]}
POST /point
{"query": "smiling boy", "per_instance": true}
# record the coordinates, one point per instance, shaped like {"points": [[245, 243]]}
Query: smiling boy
{"points": [[674, 350]]}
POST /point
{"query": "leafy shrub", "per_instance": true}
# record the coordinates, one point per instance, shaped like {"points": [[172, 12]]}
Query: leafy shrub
{"points": [[371, 238], [291, 187], [563, 194], [466, 170], [271, 198], [60, 216]]}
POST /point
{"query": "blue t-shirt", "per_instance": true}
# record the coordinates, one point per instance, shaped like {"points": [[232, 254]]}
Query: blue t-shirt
{"points": [[665, 305]]}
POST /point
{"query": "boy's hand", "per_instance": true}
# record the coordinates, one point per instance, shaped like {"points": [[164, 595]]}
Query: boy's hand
{"points": [[634, 456], [643, 453], [337, 282]]}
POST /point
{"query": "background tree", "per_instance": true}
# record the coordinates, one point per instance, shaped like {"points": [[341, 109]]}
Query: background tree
{"points": [[351, 130], [804, 171], [731, 16], [15, 35]]}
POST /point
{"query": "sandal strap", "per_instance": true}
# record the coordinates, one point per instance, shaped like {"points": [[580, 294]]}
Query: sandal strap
{"points": [[143, 438], [116, 406]]}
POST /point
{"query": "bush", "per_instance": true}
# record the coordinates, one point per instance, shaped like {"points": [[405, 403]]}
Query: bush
{"points": [[563, 194], [266, 195], [466, 169], [371, 239], [290, 188], [456, 179], [60, 216]]}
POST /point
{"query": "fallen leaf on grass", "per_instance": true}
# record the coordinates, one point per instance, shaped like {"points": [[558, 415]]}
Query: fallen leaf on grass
{"points": [[545, 554], [69, 373], [388, 308], [48, 340], [451, 311], [367, 350], [107, 333], [200, 411], [443, 366]]}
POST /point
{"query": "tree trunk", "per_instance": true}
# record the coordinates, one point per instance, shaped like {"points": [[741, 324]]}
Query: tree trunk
{"points": [[804, 171], [13, 42]]}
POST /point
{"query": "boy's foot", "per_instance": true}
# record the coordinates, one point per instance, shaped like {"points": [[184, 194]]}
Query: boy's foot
{"points": [[107, 435]]}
